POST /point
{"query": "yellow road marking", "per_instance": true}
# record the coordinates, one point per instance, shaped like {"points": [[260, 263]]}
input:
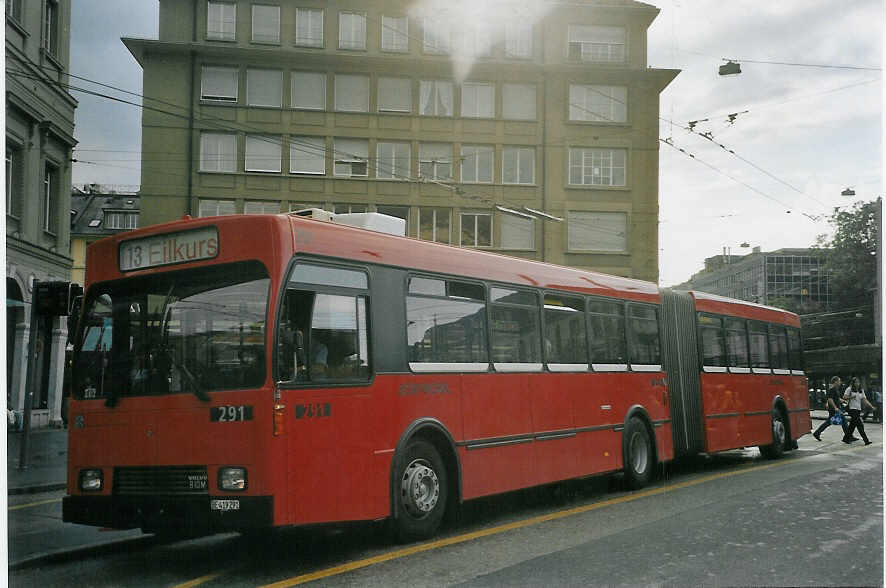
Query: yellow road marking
{"points": [[363, 563], [201, 580], [30, 504]]}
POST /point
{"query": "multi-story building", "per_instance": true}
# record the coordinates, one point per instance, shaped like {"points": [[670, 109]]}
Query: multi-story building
{"points": [[97, 212], [39, 139], [792, 278], [463, 124]]}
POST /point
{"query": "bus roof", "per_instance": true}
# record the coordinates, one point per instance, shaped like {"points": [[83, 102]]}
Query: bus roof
{"points": [[706, 302], [328, 239]]}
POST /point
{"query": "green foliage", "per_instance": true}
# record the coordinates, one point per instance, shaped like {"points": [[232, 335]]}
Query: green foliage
{"points": [[850, 255]]}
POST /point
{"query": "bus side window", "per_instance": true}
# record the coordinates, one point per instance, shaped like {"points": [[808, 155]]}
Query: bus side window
{"points": [[290, 338]]}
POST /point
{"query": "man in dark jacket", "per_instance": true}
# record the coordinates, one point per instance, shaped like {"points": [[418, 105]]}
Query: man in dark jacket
{"points": [[833, 406]]}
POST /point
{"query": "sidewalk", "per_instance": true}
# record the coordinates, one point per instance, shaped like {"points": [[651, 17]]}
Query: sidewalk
{"points": [[47, 461]]}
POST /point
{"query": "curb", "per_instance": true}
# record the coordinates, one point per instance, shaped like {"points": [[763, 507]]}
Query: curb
{"points": [[37, 488], [64, 555]]}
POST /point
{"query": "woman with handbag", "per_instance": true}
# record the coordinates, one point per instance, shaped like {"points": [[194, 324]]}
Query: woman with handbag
{"points": [[833, 404], [855, 395]]}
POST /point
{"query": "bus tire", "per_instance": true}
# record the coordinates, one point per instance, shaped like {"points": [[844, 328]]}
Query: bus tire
{"points": [[421, 485], [639, 459], [779, 436]]}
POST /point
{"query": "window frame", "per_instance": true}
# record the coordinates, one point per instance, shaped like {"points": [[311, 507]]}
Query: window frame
{"points": [[610, 152], [545, 310], [585, 113], [434, 211], [623, 326], [293, 146], [352, 159], [255, 71], [204, 135], [385, 108], [360, 19], [518, 149], [476, 216], [573, 216], [398, 171], [270, 139], [221, 98], [394, 34], [477, 87], [474, 153], [221, 34], [340, 107], [310, 10], [252, 37], [50, 197], [535, 310], [322, 76]]}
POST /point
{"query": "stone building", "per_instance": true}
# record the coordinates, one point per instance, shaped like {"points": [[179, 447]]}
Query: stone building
{"points": [[524, 128], [39, 139]]}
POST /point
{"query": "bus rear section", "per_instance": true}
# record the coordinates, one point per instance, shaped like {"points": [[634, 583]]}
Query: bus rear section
{"points": [[736, 375]]}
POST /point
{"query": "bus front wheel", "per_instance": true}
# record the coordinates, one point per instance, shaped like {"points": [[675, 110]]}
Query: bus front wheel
{"points": [[421, 487], [638, 454], [779, 436]]}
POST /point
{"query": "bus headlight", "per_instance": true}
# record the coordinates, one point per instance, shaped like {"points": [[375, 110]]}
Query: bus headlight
{"points": [[232, 479], [91, 480]]}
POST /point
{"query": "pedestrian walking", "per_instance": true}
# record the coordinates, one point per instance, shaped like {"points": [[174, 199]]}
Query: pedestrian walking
{"points": [[878, 405], [855, 395], [833, 406]]}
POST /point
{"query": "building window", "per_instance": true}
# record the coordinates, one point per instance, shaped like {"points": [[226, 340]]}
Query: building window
{"points": [[308, 90], [395, 211], [261, 207], [264, 87], [596, 43], [477, 100], [518, 41], [476, 42], [120, 219], [14, 166], [265, 24], [598, 231], [437, 37], [216, 207], [518, 165], [218, 83], [597, 167], [351, 156], [518, 101], [433, 224], [221, 21], [50, 198], [476, 163], [14, 9], [395, 34], [598, 103], [218, 152], [517, 232], [309, 27], [348, 208], [351, 30], [435, 98], [263, 154], [476, 229], [307, 155], [50, 27], [435, 161], [351, 93], [392, 161], [394, 95]]}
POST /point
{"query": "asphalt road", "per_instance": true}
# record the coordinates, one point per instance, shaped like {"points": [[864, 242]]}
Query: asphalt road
{"points": [[812, 518]]}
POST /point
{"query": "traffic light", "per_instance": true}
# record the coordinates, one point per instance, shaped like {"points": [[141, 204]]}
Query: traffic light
{"points": [[55, 298]]}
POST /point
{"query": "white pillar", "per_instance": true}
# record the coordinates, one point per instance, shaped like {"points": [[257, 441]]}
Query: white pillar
{"points": [[19, 373], [57, 370]]}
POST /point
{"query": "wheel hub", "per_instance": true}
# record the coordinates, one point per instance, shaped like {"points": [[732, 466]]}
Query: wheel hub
{"points": [[778, 430], [419, 488], [639, 453]]}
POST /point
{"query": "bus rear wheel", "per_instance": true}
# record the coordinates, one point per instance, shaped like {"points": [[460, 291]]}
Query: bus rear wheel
{"points": [[422, 491], [639, 457], [779, 435]]}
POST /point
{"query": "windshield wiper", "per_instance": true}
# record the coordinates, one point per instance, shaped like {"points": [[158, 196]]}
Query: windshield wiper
{"points": [[192, 380]]}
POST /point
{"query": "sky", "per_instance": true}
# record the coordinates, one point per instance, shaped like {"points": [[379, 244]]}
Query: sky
{"points": [[770, 178]]}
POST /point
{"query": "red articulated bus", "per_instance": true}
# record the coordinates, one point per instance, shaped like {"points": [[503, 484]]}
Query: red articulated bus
{"points": [[240, 372]]}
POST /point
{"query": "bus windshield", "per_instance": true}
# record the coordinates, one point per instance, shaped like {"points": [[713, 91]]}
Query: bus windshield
{"points": [[190, 331]]}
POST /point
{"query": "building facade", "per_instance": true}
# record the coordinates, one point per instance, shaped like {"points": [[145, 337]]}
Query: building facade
{"points": [[97, 212], [532, 132], [39, 139], [789, 278]]}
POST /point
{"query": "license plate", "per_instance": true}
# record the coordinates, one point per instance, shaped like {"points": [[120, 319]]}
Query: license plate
{"points": [[224, 505]]}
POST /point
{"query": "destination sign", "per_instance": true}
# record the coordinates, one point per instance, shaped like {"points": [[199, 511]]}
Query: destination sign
{"points": [[168, 249]]}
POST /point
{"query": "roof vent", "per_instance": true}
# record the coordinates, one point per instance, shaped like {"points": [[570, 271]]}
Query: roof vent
{"points": [[373, 221]]}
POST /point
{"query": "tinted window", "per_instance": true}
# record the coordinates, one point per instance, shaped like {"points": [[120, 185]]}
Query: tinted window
{"points": [[565, 336], [515, 329], [759, 344], [447, 329], [607, 332], [778, 347], [644, 335], [737, 343], [713, 341], [795, 349]]}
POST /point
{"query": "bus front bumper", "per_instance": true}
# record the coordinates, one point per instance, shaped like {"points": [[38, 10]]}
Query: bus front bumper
{"points": [[182, 514]]}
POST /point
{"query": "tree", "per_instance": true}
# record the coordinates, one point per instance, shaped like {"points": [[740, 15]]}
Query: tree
{"points": [[851, 255]]}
